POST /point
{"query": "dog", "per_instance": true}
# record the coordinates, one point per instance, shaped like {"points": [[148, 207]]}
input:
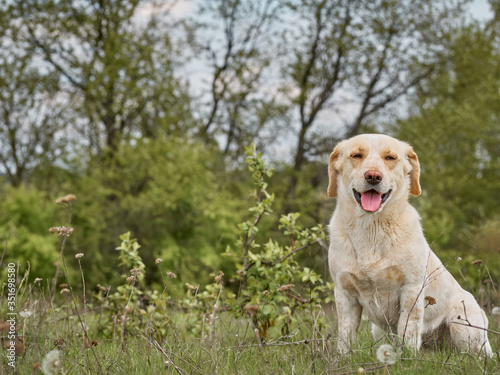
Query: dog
{"points": [[379, 259]]}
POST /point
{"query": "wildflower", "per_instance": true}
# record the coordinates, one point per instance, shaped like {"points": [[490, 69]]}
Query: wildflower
{"points": [[66, 199], [64, 290], [79, 255], [285, 287], [386, 354], [26, 313], [189, 286], [430, 301], [59, 342], [158, 260], [241, 272], [171, 275], [496, 311], [131, 279], [135, 271], [218, 278], [102, 288], [61, 231], [38, 280], [52, 362], [477, 263]]}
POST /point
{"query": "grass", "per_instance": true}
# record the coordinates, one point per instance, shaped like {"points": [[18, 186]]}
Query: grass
{"points": [[232, 349], [126, 330]]}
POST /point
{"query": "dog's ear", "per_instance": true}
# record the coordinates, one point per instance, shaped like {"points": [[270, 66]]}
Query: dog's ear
{"points": [[332, 172], [415, 171]]}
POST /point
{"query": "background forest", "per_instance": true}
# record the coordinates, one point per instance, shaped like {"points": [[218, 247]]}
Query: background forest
{"points": [[185, 142], [142, 110]]}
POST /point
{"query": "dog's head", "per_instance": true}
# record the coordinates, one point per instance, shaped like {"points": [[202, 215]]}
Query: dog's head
{"points": [[373, 170]]}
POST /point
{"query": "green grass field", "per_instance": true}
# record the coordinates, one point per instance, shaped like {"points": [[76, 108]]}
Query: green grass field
{"points": [[227, 346]]}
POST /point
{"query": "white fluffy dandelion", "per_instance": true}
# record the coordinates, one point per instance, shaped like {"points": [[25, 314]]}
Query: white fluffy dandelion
{"points": [[386, 354], [51, 363], [26, 313]]}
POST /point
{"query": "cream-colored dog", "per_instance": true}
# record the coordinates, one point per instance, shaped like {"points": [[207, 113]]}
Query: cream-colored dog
{"points": [[379, 259]]}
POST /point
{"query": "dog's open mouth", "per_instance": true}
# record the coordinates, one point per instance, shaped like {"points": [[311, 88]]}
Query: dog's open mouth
{"points": [[370, 200]]}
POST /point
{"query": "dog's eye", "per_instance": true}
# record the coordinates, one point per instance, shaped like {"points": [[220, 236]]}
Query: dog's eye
{"points": [[390, 157], [356, 156]]}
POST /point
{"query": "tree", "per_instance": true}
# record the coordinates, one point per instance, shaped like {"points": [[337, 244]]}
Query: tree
{"points": [[31, 121], [363, 55], [237, 41], [115, 69], [454, 129]]}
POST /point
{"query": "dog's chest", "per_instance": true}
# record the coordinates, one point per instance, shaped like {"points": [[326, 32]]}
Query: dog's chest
{"points": [[366, 281], [377, 290]]}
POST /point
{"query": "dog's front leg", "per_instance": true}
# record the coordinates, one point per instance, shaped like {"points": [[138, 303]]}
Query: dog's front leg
{"points": [[411, 317], [349, 316]]}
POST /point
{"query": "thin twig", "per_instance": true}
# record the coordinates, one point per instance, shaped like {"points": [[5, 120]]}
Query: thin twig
{"points": [[473, 326]]}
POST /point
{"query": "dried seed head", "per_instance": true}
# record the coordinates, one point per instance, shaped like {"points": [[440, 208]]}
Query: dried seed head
{"points": [[66, 199], [171, 275], [285, 287], [64, 291], [102, 288], [38, 280], [158, 260], [430, 301], [218, 278], [131, 280], [61, 231], [251, 309], [241, 272], [189, 286], [79, 255], [477, 263], [135, 271]]}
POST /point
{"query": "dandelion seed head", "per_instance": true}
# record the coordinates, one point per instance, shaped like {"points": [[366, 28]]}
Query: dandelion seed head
{"points": [[26, 313], [51, 363], [386, 354]]}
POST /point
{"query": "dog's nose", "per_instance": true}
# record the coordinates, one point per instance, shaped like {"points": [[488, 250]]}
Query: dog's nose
{"points": [[373, 177]]}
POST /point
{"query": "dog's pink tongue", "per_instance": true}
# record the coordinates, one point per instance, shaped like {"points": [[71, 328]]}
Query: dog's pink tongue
{"points": [[371, 201]]}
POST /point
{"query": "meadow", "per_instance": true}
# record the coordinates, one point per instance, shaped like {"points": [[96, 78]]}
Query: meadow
{"points": [[274, 315]]}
